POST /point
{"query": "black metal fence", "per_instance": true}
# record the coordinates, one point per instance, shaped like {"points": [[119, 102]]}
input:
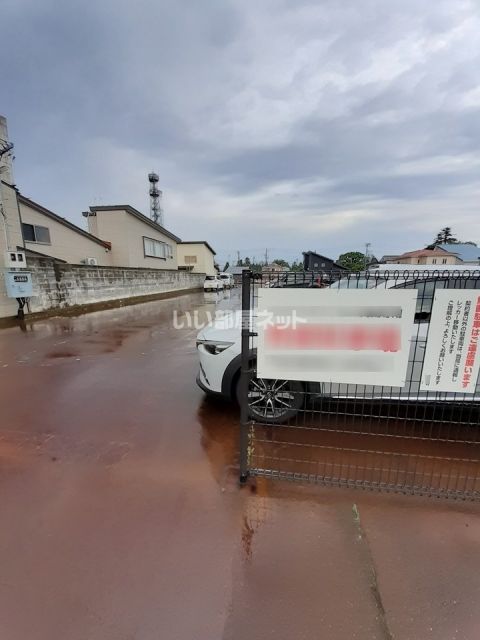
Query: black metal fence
{"points": [[367, 436]]}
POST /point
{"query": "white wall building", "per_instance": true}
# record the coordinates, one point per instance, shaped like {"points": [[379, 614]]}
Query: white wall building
{"points": [[197, 256], [46, 232], [136, 240]]}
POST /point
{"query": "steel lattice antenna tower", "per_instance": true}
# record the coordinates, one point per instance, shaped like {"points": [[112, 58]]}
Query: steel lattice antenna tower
{"points": [[5, 147], [156, 211]]}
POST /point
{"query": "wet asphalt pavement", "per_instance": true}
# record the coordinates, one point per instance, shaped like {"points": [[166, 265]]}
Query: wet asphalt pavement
{"points": [[121, 517]]}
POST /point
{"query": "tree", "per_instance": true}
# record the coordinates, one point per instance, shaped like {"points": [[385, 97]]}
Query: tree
{"points": [[255, 266], [352, 260], [296, 266], [227, 264], [444, 236], [281, 262]]}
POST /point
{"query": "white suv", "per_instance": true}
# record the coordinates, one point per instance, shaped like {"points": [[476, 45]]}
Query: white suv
{"points": [[227, 280], [219, 349], [212, 283]]}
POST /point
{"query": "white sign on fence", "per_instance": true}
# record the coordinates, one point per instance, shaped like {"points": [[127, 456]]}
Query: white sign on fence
{"points": [[451, 358], [345, 336]]}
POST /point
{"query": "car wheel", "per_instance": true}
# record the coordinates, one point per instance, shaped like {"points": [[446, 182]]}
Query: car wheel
{"points": [[273, 401]]}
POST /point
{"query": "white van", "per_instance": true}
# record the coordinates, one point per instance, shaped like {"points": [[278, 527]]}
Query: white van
{"points": [[213, 283], [227, 279]]}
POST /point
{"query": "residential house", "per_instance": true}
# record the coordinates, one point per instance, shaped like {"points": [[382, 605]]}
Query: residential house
{"points": [[197, 256], [137, 241], [237, 273], [467, 252], [426, 256], [313, 261], [388, 258], [30, 227], [274, 267], [48, 233]]}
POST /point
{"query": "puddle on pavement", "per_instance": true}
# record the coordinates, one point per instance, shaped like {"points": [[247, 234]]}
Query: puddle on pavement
{"points": [[61, 354], [219, 420]]}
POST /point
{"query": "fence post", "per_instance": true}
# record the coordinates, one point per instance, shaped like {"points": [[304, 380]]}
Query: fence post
{"points": [[245, 373]]}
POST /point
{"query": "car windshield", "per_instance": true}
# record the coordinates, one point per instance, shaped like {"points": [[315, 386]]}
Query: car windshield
{"points": [[210, 278], [224, 277]]}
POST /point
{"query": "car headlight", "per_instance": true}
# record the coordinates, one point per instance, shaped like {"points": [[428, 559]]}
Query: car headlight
{"points": [[214, 346]]}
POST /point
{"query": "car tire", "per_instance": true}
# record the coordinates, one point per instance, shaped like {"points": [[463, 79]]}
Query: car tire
{"points": [[273, 401]]}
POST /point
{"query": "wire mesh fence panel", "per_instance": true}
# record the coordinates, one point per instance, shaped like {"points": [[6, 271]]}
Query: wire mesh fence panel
{"points": [[409, 438]]}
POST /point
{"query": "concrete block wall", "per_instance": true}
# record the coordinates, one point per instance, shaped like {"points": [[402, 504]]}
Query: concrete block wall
{"points": [[45, 286], [60, 286]]}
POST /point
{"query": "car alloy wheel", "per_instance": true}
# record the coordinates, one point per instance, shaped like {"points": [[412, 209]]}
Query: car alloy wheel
{"points": [[274, 400]]}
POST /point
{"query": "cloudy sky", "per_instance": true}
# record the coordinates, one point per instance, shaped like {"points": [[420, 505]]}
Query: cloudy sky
{"points": [[281, 124]]}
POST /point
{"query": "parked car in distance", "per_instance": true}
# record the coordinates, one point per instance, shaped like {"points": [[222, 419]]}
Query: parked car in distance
{"points": [[213, 283], [275, 401], [227, 279]]}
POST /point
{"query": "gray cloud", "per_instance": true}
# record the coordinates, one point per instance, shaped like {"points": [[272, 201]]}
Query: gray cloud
{"points": [[298, 123]]}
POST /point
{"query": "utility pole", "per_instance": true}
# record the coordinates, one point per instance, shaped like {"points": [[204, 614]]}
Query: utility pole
{"points": [[238, 257], [367, 253], [266, 257], [5, 149]]}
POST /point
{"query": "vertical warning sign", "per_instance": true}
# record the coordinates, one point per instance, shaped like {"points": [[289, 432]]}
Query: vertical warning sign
{"points": [[452, 354]]}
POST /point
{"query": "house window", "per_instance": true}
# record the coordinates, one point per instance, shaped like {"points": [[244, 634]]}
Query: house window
{"points": [[35, 233], [434, 261], [156, 249], [444, 261], [190, 259]]}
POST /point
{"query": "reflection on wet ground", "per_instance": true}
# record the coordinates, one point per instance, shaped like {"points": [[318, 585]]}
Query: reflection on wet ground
{"points": [[122, 516]]}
